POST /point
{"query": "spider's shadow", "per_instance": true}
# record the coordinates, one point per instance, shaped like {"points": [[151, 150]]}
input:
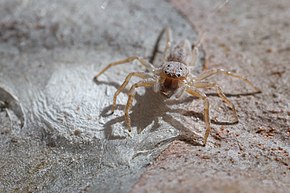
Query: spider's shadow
{"points": [[144, 112]]}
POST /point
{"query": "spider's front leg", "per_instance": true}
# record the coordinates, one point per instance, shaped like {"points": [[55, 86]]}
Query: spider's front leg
{"points": [[220, 94], [131, 95], [127, 79], [213, 72], [144, 62], [202, 96]]}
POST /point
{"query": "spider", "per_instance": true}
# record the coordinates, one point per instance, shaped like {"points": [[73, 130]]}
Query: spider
{"points": [[173, 78]]}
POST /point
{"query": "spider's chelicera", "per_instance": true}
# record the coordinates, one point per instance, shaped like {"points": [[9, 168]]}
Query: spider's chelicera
{"points": [[173, 78]]}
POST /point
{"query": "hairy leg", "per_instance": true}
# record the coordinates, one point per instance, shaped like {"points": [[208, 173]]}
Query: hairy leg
{"points": [[227, 73], [202, 96], [168, 43], [144, 62], [220, 94], [129, 76], [195, 56], [131, 96]]}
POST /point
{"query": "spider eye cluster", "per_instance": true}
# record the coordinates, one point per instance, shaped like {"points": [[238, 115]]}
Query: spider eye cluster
{"points": [[179, 71], [168, 69], [174, 69]]}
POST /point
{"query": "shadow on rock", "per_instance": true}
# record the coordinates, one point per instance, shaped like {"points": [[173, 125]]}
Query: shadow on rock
{"points": [[147, 109]]}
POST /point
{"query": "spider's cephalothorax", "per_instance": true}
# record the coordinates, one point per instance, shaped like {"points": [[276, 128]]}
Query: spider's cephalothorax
{"points": [[173, 75], [173, 78]]}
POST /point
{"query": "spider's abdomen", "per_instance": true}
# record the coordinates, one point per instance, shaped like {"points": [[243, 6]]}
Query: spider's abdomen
{"points": [[182, 52]]}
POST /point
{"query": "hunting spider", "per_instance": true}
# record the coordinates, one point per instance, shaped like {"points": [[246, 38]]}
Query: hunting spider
{"points": [[173, 78]]}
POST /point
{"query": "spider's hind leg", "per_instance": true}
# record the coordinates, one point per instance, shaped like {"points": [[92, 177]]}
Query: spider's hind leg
{"points": [[168, 43]]}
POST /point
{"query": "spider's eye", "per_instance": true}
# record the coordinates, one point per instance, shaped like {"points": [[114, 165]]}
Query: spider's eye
{"points": [[166, 72], [178, 75], [180, 68]]}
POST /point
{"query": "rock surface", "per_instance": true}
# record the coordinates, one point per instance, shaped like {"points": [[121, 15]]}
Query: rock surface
{"points": [[57, 135]]}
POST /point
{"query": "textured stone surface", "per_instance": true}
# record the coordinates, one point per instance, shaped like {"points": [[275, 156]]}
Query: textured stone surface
{"points": [[251, 38], [56, 134], [50, 52]]}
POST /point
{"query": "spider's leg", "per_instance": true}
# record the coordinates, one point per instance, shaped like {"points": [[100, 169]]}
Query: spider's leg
{"points": [[227, 73], [195, 54], [202, 96], [195, 50], [144, 62], [129, 76], [131, 95], [168, 43], [220, 94]]}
